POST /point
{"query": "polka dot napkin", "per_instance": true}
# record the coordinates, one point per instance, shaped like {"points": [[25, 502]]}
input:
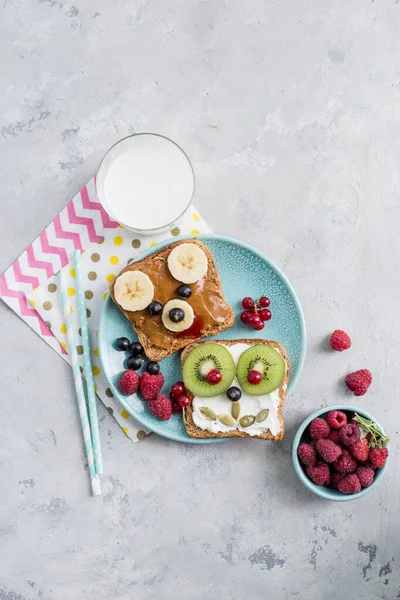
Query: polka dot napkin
{"points": [[101, 261]]}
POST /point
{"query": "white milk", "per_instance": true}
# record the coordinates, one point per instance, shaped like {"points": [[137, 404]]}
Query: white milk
{"points": [[145, 182]]}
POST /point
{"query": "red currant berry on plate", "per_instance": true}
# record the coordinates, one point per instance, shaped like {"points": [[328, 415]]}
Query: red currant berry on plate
{"points": [[254, 320], [214, 377], [248, 303], [265, 314], [254, 377], [244, 316], [177, 390], [176, 408], [264, 302], [183, 400], [259, 326]]}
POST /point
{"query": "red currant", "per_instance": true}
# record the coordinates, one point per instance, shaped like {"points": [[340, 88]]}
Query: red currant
{"points": [[265, 314], [248, 303], [184, 400], [254, 320], [177, 390], [258, 327], [214, 377], [254, 377], [264, 302], [176, 408], [244, 316]]}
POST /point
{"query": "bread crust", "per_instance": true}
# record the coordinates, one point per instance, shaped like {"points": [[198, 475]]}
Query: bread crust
{"points": [[152, 351], [197, 432]]}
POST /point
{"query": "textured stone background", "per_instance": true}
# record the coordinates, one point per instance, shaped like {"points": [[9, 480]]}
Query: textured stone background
{"points": [[290, 112]]}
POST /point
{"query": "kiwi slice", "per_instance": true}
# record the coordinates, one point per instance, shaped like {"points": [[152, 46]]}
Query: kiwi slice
{"points": [[200, 362], [268, 362]]}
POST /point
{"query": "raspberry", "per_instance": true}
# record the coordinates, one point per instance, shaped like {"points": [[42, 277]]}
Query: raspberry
{"points": [[128, 382], [319, 429], [336, 478], [307, 454], [345, 463], [365, 475], [349, 485], [349, 434], [359, 382], [328, 450], [319, 474], [378, 457], [360, 450], [334, 435], [161, 407], [336, 419], [150, 385], [340, 340]]}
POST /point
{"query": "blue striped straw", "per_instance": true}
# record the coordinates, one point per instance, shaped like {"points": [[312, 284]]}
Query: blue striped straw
{"points": [[87, 365], [80, 395]]}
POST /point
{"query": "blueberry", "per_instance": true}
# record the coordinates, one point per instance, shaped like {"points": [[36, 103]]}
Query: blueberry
{"points": [[136, 348], [234, 394], [122, 343], [155, 308], [153, 368], [184, 291], [176, 315], [134, 362]]}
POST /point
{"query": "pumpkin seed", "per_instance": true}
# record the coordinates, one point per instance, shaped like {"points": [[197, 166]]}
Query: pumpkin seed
{"points": [[262, 415], [246, 421], [235, 410], [226, 420], [208, 413]]}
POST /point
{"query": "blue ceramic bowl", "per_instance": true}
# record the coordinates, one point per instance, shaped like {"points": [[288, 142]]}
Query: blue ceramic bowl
{"points": [[323, 492]]}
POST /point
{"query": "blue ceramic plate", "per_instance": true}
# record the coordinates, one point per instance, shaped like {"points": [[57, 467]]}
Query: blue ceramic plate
{"points": [[244, 272]]}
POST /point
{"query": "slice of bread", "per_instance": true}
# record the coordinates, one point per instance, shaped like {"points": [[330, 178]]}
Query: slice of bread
{"points": [[157, 341], [196, 432]]}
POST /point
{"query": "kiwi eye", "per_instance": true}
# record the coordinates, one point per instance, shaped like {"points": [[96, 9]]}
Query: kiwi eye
{"points": [[260, 370]]}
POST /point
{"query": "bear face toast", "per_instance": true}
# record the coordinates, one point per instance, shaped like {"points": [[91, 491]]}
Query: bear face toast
{"points": [[172, 298]]}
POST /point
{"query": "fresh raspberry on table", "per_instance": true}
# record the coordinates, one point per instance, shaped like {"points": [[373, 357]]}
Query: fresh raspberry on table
{"points": [[349, 485], [378, 457], [328, 450], [365, 475], [336, 478], [334, 436], [319, 474], [319, 429], [340, 340], [349, 434], [336, 419], [161, 407], [150, 385], [128, 382], [345, 463], [359, 381], [360, 450], [307, 454]]}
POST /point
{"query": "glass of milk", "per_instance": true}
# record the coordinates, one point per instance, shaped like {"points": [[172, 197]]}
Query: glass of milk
{"points": [[145, 182]]}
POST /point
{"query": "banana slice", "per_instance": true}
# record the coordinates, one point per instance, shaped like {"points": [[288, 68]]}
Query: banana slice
{"points": [[187, 320], [187, 263], [133, 290]]}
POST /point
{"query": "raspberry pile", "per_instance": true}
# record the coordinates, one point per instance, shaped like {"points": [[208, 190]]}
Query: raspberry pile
{"points": [[255, 312], [342, 451]]}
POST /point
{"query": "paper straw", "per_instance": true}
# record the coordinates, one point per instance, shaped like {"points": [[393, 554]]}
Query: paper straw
{"points": [[80, 396], [87, 365]]}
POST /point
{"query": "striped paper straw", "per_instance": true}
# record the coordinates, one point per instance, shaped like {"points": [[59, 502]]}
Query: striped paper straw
{"points": [[80, 396], [87, 365]]}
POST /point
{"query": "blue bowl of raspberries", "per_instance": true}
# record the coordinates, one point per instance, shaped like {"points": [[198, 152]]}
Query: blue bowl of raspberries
{"points": [[340, 453]]}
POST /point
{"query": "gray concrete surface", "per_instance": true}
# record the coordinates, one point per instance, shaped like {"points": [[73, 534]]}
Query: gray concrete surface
{"points": [[290, 112]]}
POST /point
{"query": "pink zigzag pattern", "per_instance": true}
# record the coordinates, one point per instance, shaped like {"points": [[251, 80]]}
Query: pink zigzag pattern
{"points": [[39, 264], [67, 235], [87, 203], [19, 276], [53, 249], [25, 310], [93, 237]]}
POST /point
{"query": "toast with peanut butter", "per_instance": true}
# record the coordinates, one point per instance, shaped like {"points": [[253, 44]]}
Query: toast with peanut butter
{"points": [[172, 298]]}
